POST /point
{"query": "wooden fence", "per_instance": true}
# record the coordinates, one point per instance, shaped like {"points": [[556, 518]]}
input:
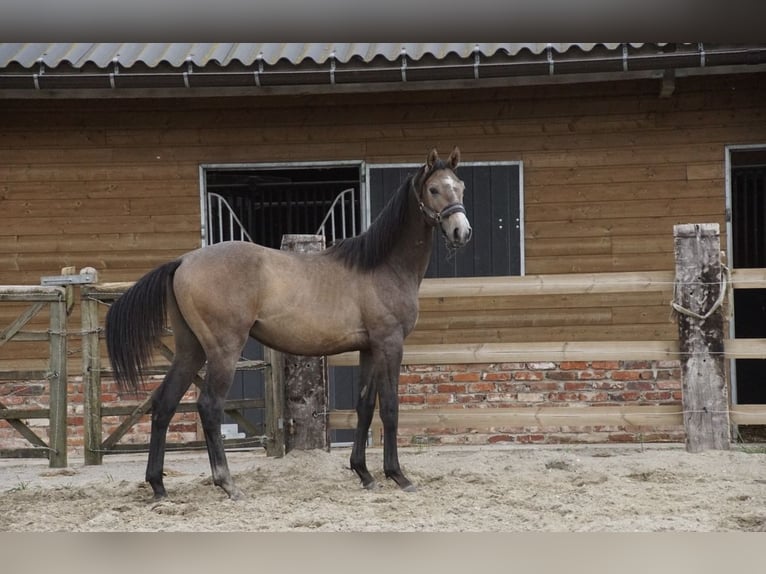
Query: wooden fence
{"points": [[95, 445], [631, 415], [55, 298], [94, 295]]}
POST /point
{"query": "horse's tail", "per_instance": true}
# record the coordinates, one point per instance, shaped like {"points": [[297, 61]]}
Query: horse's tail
{"points": [[135, 322]]}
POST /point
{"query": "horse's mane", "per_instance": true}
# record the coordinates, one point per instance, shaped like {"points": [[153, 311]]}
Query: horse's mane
{"points": [[369, 249]]}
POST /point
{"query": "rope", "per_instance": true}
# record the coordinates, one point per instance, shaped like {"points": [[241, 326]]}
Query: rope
{"points": [[724, 281]]}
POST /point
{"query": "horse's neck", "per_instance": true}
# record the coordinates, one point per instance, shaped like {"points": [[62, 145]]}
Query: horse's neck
{"points": [[412, 250]]}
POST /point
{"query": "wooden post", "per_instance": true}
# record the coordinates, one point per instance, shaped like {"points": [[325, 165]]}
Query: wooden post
{"points": [[305, 378], [91, 376], [699, 294], [274, 387], [58, 385]]}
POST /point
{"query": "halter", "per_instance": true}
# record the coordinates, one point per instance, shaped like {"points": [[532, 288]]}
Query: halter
{"points": [[432, 217]]}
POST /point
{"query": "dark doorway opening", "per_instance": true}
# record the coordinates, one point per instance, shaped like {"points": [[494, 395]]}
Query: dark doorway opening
{"points": [[748, 219]]}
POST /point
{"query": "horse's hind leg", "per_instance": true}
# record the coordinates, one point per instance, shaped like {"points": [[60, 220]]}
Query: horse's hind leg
{"points": [[189, 358], [220, 373]]}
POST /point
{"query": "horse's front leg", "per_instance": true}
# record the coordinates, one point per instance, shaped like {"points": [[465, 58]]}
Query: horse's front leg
{"points": [[388, 387], [365, 408]]}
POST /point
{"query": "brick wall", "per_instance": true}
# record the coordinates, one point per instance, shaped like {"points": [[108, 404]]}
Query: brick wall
{"points": [[577, 383]]}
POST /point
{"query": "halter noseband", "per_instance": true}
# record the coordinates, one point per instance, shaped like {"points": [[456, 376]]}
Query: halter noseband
{"points": [[432, 217]]}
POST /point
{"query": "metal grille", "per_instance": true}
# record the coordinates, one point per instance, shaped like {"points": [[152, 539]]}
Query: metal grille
{"points": [[749, 216]]}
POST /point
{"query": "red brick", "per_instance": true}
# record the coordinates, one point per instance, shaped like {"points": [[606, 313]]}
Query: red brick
{"points": [[669, 385], [657, 396], [406, 379], [500, 438], [470, 376], [528, 376], [480, 387], [565, 397], [639, 386], [511, 366], [439, 399], [606, 365], [576, 386], [497, 376], [573, 365], [591, 375], [543, 386], [450, 388], [561, 375], [530, 438], [626, 375], [625, 396]]}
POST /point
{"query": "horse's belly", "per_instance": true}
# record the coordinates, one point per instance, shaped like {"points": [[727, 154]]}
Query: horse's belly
{"points": [[301, 338]]}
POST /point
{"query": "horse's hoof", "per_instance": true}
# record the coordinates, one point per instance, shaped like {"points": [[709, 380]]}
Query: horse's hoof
{"points": [[410, 488], [236, 494], [372, 485]]}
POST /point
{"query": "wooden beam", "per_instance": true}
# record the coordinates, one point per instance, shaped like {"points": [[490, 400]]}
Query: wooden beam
{"points": [[275, 402], [748, 414], [745, 348], [526, 352], [305, 378], [748, 278], [493, 418], [31, 293], [698, 299], [570, 283], [58, 385], [8, 333], [13, 417], [91, 376]]}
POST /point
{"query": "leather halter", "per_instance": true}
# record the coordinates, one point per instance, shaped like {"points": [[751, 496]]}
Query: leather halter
{"points": [[432, 217]]}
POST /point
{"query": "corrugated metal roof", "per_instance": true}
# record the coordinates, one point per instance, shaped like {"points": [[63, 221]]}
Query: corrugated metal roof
{"points": [[152, 55], [96, 70]]}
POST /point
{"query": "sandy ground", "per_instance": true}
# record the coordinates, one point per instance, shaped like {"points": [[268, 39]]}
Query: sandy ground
{"points": [[480, 489]]}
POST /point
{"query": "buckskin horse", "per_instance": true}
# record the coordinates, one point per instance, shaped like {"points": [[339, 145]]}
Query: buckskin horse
{"points": [[360, 294]]}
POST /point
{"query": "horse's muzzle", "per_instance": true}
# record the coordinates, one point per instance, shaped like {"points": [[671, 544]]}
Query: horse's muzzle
{"points": [[456, 229]]}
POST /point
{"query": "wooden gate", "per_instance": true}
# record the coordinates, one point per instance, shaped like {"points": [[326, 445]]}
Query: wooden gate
{"points": [[55, 297], [97, 295]]}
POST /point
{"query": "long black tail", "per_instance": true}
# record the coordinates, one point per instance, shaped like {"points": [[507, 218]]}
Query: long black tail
{"points": [[134, 324]]}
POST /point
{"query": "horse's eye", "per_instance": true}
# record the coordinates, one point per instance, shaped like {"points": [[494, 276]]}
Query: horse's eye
{"points": [[433, 191]]}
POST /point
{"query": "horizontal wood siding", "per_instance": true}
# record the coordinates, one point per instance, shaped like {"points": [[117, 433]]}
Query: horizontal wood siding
{"points": [[609, 168]]}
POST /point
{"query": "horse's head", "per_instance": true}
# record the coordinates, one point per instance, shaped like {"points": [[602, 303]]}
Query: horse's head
{"points": [[440, 195]]}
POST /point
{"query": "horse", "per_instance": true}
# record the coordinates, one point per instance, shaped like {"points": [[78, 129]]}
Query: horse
{"points": [[360, 294]]}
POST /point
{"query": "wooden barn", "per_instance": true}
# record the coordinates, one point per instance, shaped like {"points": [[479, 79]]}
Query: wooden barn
{"points": [[579, 160]]}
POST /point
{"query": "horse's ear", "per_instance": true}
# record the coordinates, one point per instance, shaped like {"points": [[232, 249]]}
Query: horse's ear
{"points": [[432, 158], [454, 158]]}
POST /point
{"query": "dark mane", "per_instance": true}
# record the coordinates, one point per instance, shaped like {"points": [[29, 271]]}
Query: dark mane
{"points": [[369, 249]]}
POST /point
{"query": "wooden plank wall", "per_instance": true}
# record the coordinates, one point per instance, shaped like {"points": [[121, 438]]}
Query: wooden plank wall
{"points": [[609, 168]]}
